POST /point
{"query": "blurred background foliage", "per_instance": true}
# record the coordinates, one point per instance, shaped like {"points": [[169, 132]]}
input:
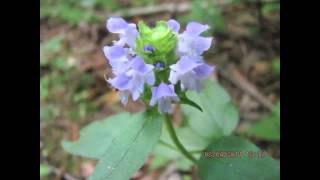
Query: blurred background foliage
{"points": [[73, 91]]}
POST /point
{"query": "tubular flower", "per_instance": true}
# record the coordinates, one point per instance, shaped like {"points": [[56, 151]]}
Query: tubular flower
{"points": [[150, 62], [133, 79], [127, 32], [190, 73], [118, 58], [191, 43], [163, 95]]}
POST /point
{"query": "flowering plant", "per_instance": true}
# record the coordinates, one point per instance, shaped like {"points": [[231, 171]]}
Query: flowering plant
{"points": [[157, 60], [162, 66]]}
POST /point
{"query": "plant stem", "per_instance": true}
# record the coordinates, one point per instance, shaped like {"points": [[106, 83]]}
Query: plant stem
{"points": [[176, 141]]}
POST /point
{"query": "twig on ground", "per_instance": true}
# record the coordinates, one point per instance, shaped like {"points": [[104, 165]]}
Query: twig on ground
{"points": [[171, 8], [235, 77], [154, 9]]}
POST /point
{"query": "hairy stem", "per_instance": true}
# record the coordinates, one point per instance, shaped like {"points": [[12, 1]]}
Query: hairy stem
{"points": [[175, 139]]}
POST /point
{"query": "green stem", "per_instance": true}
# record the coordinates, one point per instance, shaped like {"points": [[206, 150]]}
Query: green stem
{"points": [[175, 149], [176, 141]]}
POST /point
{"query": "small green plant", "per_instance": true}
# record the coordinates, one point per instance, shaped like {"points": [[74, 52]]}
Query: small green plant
{"points": [[142, 2], [44, 170], [57, 78], [74, 12], [267, 128], [270, 7], [207, 12], [276, 66]]}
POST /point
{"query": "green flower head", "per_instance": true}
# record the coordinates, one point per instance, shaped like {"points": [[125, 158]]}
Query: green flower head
{"points": [[156, 44]]}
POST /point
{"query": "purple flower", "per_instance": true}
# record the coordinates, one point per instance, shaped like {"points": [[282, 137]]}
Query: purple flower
{"points": [[174, 25], [133, 79], [190, 73], [190, 43], [131, 73], [118, 58], [127, 32], [163, 95]]}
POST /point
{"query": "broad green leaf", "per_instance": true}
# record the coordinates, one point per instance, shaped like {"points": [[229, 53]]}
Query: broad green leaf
{"points": [[120, 142], [268, 128], [190, 140], [188, 137], [44, 170], [219, 116], [185, 164], [259, 167], [98, 136], [158, 161], [165, 155]]}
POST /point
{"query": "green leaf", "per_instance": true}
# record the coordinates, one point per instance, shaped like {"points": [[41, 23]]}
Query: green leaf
{"points": [[59, 64], [186, 177], [219, 116], [191, 103], [120, 142], [270, 7], [276, 66], [190, 140], [210, 14], [269, 127], [158, 161], [53, 45], [44, 170], [184, 164], [48, 111], [241, 168]]}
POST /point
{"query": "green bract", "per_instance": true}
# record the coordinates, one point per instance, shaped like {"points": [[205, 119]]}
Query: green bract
{"points": [[161, 38]]}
